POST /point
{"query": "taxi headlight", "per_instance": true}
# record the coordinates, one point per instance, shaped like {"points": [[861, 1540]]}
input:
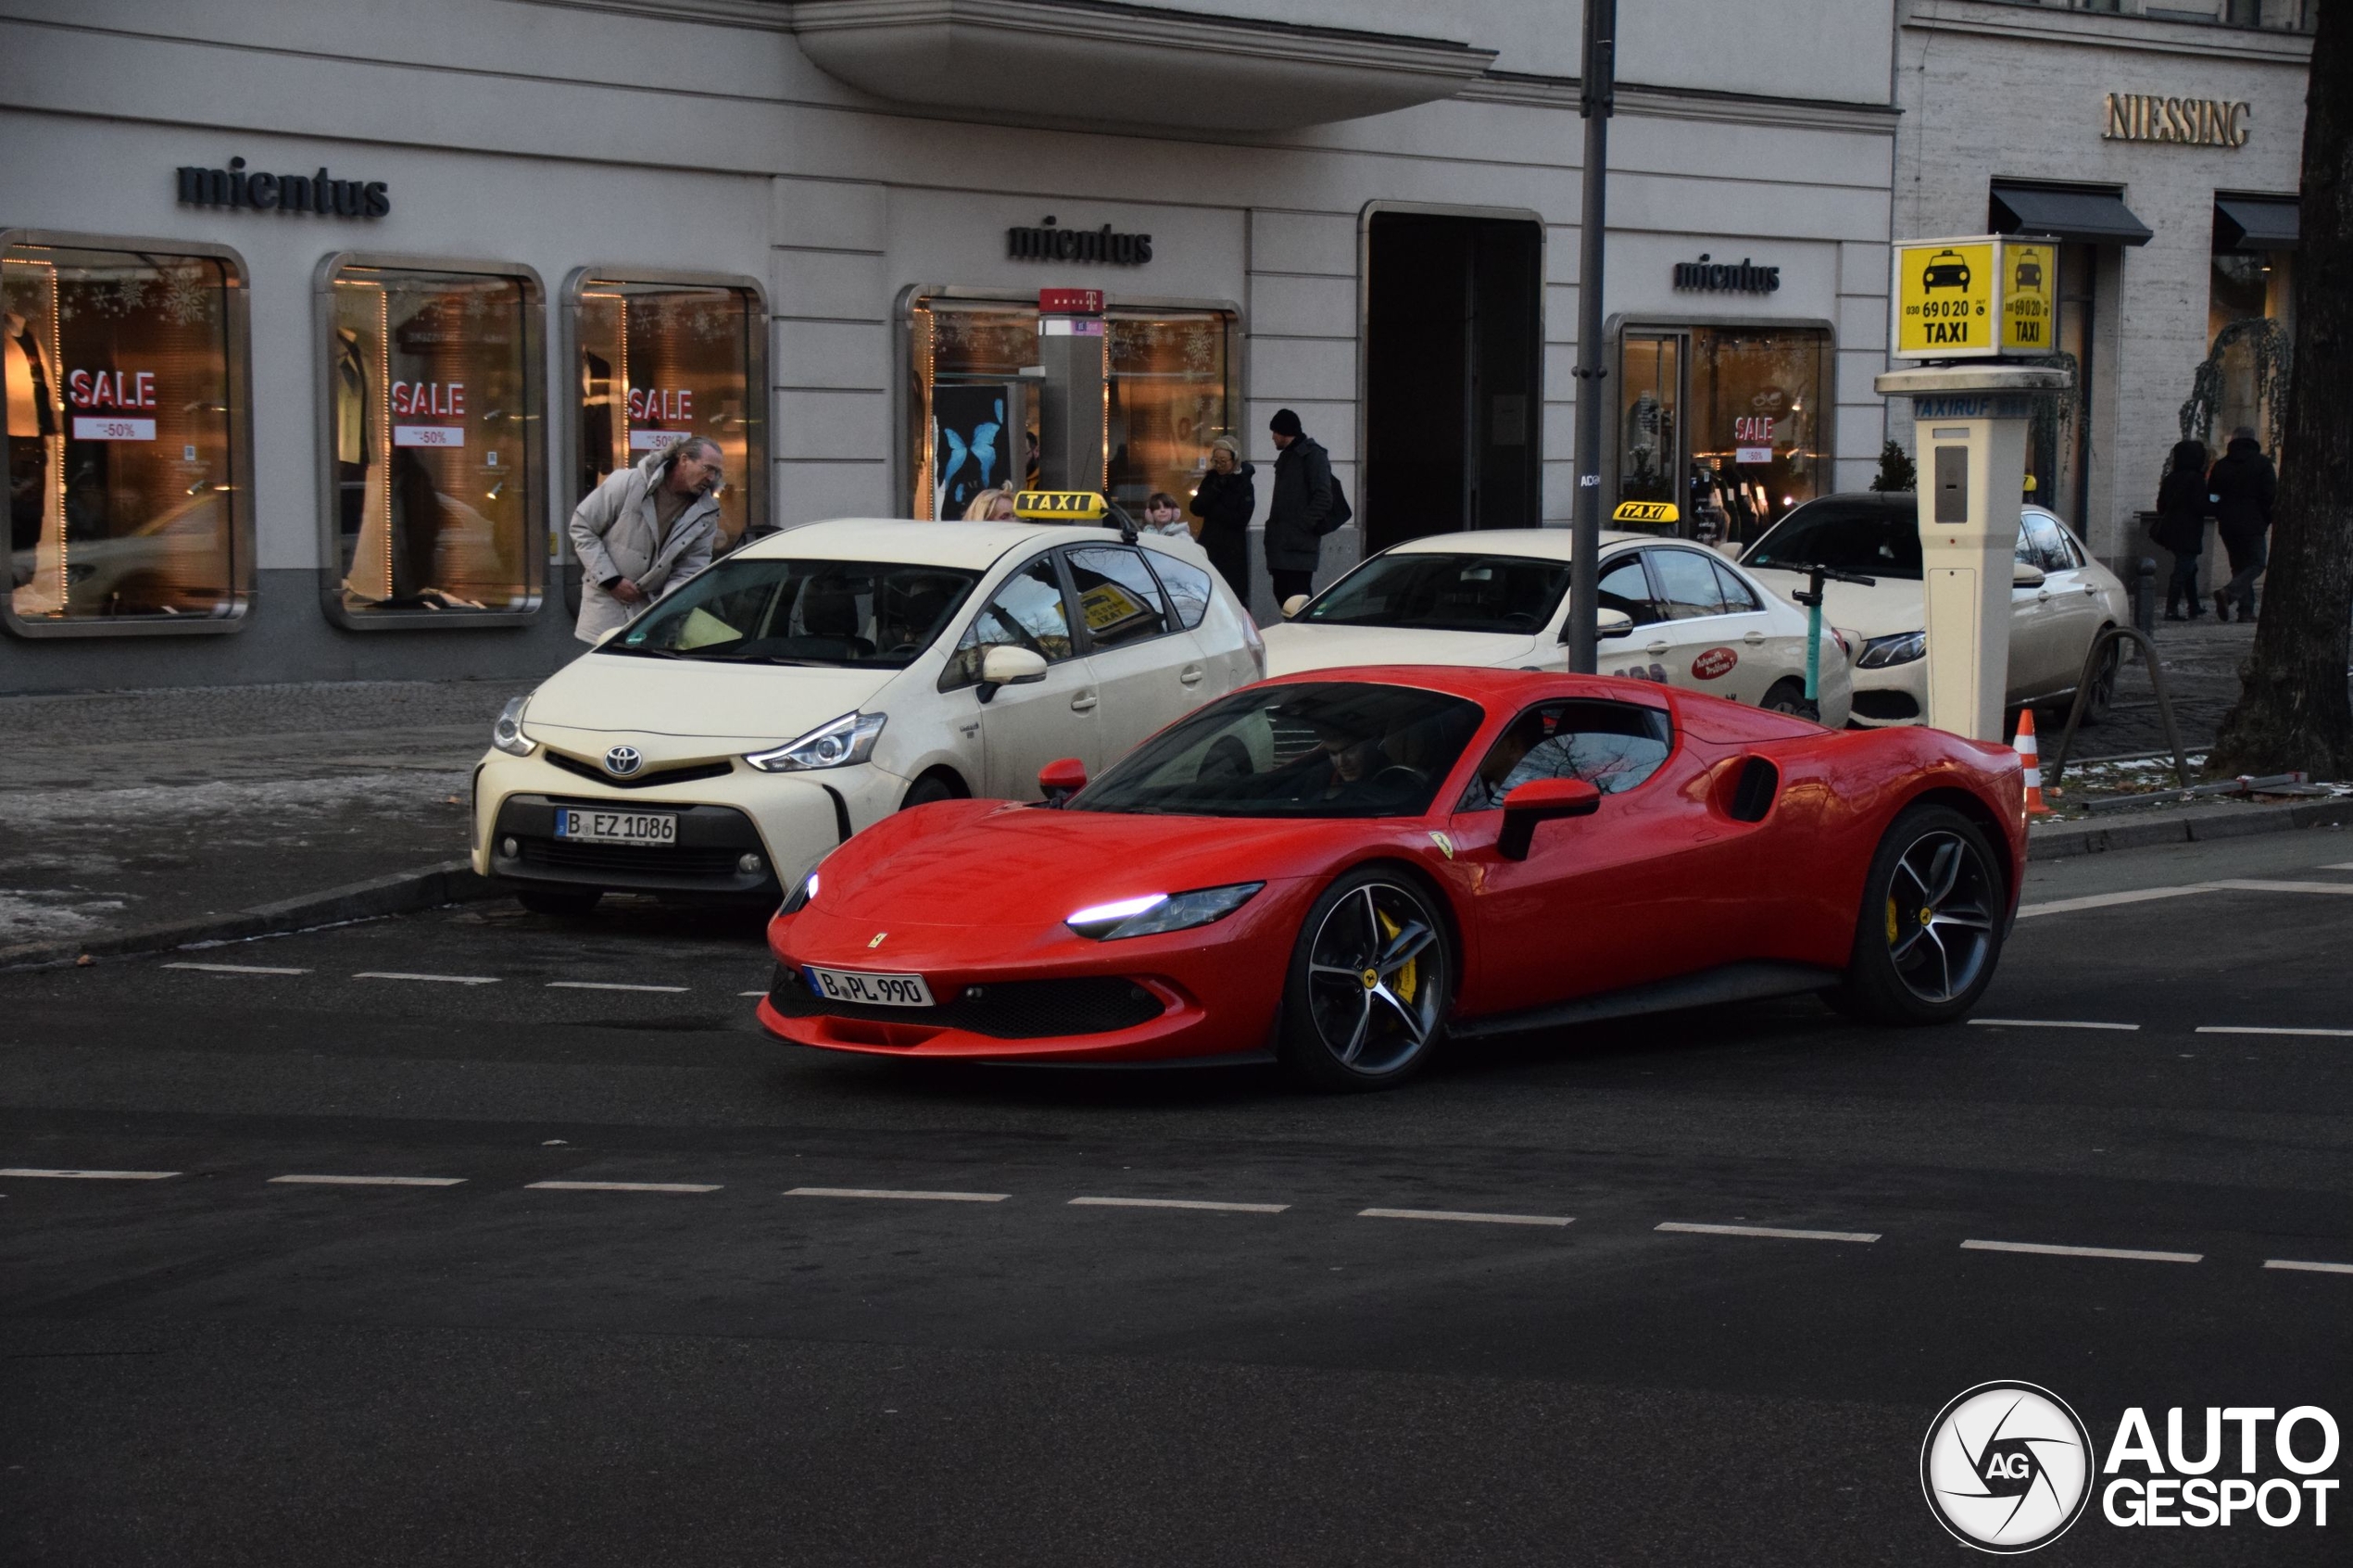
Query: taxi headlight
{"points": [[1900, 648], [1151, 913], [508, 735], [846, 740]]}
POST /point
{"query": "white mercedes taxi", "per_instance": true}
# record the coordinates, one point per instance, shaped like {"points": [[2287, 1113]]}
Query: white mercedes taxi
{"points": [[1683, 616], [812, 682], [2060, 598]]}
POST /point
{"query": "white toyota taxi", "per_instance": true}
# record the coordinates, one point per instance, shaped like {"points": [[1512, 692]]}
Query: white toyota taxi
{"points": [[1684, 616], [811, 683]]}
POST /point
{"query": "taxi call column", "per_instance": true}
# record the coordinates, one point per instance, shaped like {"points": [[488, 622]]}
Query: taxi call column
{"points": [[1969, 427], [1071, 406]]}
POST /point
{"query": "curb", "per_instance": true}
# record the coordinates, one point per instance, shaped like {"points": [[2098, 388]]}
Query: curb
{"points": [[2195, 824], [451, 882]]}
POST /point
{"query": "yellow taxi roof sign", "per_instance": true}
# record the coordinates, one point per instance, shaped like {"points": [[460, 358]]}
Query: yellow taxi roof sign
{"points": [[1061, 506], [1644, 511]]}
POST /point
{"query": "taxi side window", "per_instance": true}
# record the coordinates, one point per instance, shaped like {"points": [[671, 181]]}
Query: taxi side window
{"points": [[1187, 586], [1738, 599], [1026, 611], [1118, 597], [1612, 745], [1624, 587], [2049, 545], [1687, 587]]}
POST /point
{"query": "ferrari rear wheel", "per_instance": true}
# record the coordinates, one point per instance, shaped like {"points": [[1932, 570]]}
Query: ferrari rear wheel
{"points": [[1371, 977], [1931, 926]]}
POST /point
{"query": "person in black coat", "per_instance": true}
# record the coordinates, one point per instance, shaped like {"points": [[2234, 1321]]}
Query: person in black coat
{"points": [[1224, 503], [2241, 490], [2181, 524], [1297, 514]]}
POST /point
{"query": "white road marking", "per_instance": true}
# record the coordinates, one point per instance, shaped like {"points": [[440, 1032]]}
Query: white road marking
{"points": [[90, 1175], [2143, 895], [439, 979], [1774, 1231], [2254, 1029], [2258, 885], [751, 993], [2050, 1023], [2046, 1250], [1176, 1203], [2340, 866], [623, 1186], [605, 986], [2311, 1268], [367, 1181], [237, 969], [1465, 1215], [894, 1192]]}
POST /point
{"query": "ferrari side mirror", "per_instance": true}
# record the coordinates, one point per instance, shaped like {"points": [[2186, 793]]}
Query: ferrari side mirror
{"points": [[1008, 666], [1058, 781], [1294, 605], [1541, 800]]}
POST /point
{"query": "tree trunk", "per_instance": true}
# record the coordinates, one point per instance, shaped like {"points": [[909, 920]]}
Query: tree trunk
{"points": [[2293, 710]]}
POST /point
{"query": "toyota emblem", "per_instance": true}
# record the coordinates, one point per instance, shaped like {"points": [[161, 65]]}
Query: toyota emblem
{"points": [[623, 761]]}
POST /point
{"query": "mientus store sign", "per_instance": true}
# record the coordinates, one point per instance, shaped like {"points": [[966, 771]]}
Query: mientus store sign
{"points": [[1048, 241], [320, 194]]}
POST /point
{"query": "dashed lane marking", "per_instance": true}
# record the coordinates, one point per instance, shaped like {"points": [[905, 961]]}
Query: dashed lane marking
{"points": [[1774, 1232], [2051, 1023], [606, 985], [2144, 894], [30, 1172], [1465, 1216], [1176, 1203], [751, 993], [896, 1192], [2303, 1267], [436, 979], [2261, 1029], [2340, 866], [237, 969], [2045, 1250], [367, 1181], [623, 1186]]}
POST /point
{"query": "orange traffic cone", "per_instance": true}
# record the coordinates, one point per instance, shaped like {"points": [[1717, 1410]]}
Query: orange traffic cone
{"points": [[2032, 754]]}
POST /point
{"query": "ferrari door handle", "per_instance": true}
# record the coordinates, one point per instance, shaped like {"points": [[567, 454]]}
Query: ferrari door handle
{"points": [[1082, 702], [1190, 675]]}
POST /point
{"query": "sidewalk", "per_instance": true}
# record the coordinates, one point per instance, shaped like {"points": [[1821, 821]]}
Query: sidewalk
{"points": [[123, 812], [2200, 661]]}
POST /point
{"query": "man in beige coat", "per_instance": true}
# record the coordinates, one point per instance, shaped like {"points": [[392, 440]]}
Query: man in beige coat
{"points": [[646, 527]]}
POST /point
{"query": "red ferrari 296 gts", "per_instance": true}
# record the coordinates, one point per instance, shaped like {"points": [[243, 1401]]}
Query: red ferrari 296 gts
{"points": [[1340, 869]]}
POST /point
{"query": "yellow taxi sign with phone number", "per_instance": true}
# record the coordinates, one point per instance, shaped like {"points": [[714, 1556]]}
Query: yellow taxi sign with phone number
{"points": [[1059, 506], [1974, 297], [1644, 511]]}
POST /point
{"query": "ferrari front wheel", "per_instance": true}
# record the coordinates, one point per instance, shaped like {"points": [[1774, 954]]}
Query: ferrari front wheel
{"points": [[1929, 930], [1371, 978]]}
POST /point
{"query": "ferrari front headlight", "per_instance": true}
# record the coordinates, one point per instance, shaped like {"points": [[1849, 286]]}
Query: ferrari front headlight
{"points": [[1153, 913]]}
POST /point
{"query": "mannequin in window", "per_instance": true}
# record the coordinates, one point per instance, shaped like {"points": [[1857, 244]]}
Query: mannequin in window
{"points": [[36, 457]]}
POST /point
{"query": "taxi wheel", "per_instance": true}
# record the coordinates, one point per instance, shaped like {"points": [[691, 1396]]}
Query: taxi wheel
{"points": [[1789, 697], [1929, 931], [1372, 980], [565, 902], [926, 790], [2102, 697]]}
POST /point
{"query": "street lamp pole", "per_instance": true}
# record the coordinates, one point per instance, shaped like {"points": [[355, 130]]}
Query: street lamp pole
{"points": [[1598, 99]]}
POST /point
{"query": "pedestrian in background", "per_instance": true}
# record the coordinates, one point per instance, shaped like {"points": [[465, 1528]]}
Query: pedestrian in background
{"points": [[2180, 528], [1300, 513], [1162, 515], [2241, 490], [646, 527], [1224, 503], [993, 504]]}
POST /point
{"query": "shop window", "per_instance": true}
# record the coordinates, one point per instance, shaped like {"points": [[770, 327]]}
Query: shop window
{"points": [[1168, 390], [433, 409], [659, 358], [2251, 336], [1729, 423], [128, 436]]}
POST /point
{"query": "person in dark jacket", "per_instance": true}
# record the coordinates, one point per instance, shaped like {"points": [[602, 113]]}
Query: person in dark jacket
{"points": [[2241, 490], [2180, 528], [1224, 503], [1303, 500]]}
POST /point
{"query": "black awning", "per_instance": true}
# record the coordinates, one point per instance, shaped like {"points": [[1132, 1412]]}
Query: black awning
{"points": [[2094, 217], [2256, 222]]}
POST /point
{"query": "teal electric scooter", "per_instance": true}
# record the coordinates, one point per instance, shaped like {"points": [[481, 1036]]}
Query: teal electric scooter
{"points": [[1811, 597]]}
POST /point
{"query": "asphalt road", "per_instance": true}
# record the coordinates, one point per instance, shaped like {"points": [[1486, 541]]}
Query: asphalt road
{"points": [[221, 1365]]}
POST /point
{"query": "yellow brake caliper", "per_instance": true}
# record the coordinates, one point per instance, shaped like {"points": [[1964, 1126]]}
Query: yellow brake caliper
{"points": [[1408, 977], [1891, 920]]}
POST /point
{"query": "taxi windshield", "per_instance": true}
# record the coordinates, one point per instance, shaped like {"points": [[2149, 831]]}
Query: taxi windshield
{"points": [[863, 615], [1866, 538], [1444, 592], [1326, 748]]}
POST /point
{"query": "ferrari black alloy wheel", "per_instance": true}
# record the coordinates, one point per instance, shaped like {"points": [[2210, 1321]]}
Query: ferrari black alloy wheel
{"points": [[1371, 980], [1929, 930]]}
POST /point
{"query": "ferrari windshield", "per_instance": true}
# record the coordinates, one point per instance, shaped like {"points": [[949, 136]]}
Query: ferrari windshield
{"points": [[864, 615], [1862, 537], [1326, 748], [1444, 592]]}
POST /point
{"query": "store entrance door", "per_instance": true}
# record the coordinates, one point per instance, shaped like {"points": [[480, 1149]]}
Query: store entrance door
{"points": [[1454, 332]]}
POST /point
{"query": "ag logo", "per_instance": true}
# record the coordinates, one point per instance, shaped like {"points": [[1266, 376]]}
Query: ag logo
{"points": [[2006, 1467]]}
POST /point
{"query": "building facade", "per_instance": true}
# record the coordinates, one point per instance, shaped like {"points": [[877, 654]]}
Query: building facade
{"points": [[2161, 144], [321, 317]]}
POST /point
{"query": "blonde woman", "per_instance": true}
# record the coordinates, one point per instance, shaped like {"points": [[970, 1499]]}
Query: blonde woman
{"points": [[1224, 503], [995, 504]]}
